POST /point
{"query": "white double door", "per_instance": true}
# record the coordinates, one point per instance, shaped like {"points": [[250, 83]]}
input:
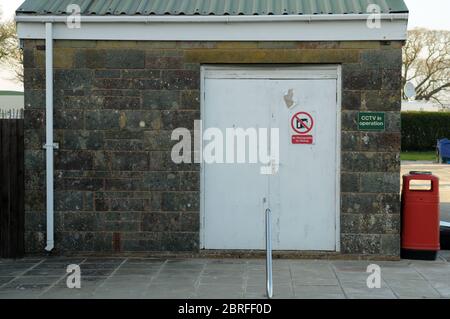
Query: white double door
{"points": [[303, 192]]}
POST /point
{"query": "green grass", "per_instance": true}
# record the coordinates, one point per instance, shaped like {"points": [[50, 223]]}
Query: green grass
{"points": [[10, 93], [418, 156]]}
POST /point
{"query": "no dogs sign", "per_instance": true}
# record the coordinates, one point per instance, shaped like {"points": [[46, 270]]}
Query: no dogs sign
{"points": [[302, 123]]}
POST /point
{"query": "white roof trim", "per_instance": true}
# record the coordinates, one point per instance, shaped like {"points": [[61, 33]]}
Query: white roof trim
{"points": [[211, 18], [218, 28]]}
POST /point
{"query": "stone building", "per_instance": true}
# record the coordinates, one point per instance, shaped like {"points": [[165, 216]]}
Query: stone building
{"points": [[124, 77]]}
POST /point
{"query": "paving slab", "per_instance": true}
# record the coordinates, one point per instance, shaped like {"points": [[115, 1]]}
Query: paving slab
{"points": [[169, 291], [367, 293], [319, 292], [223, 279], [412, 289], [280, 291], [445, 256]]}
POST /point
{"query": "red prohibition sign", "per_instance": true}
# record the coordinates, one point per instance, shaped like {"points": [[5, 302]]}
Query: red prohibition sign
{"points": [[301, 125]]}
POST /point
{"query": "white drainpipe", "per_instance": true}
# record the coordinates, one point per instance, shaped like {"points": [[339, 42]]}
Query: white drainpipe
{"points": [[49, 146]]}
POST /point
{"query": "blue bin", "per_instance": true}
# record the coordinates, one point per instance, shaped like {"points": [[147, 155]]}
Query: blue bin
{"points": [[445, 236], [443, 148]]}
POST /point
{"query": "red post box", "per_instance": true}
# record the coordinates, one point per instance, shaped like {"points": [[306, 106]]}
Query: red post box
{"points": [[420, 217]]}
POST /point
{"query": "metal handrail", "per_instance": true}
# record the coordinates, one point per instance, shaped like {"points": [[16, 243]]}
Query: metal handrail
{"points": [[269, 282]]}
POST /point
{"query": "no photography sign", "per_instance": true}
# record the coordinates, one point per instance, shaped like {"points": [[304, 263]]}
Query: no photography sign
{"points": [[302, 124]]}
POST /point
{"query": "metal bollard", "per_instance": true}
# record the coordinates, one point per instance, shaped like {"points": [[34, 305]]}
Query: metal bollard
{"points": [[269, 283]]}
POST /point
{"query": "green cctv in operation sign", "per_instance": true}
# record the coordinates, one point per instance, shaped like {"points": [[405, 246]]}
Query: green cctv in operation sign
{"points": [[371, 121]]}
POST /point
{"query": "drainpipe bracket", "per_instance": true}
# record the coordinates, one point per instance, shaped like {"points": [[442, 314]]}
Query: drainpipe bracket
{"points": [[53, 146]]}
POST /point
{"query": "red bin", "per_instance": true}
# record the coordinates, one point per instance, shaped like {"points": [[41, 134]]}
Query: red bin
{"points": [[420, 217]]}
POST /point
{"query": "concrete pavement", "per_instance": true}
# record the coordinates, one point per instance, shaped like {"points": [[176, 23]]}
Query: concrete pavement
{"points": [[123, 278]]}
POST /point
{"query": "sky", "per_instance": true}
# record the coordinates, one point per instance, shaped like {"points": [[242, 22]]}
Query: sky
{"points": [[431, 14]]}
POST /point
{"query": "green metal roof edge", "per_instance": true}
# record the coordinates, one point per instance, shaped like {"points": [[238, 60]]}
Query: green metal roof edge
{"points": [[209, 7]]}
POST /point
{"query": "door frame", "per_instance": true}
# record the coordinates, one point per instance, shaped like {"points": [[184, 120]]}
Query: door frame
{"points": [[300, 72]]}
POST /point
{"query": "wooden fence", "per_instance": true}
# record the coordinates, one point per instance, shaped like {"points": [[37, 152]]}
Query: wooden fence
{"points": [[12, 188]]}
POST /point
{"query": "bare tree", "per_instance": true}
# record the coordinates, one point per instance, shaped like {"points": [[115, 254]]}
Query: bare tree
{"points": [[10, 53], [426, 63], [6, 40]]}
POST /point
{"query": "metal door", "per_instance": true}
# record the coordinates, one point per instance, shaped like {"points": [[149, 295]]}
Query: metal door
{"points": [[303, 192]]}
